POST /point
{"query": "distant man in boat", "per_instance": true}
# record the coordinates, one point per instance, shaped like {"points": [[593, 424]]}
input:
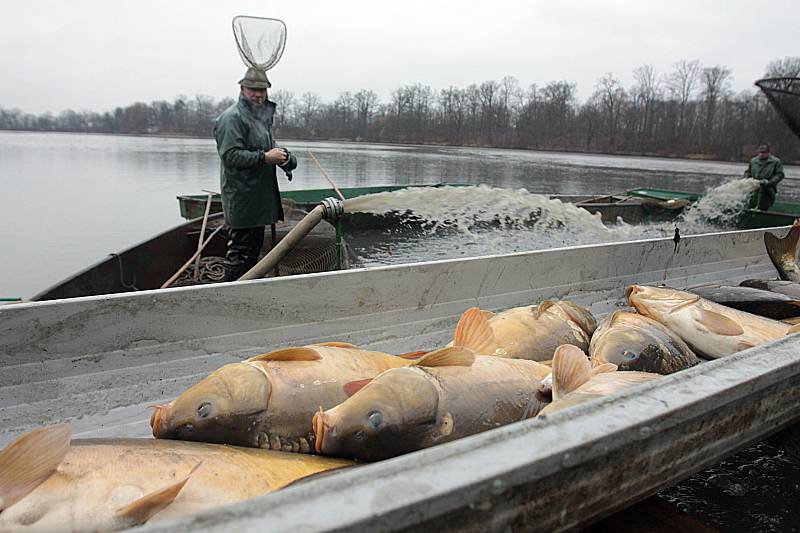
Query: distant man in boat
{"points": [[249, 159], [768, 170]]}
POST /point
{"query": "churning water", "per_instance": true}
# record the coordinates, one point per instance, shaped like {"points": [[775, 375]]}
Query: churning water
{"points": [[447, 222]]}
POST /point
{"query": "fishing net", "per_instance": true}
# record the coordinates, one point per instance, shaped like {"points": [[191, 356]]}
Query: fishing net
{"points": [[260, 41], [784, 95]]}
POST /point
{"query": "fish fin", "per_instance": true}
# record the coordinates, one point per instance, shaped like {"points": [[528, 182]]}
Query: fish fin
{"points": [[794, 329], [542, 307], [413, 355], [783, 249], [718, 323], [488, 315], [353, 387], [338, 344], [289, 354], [142, 509], [473, 332], [450, 356], [604, 368], [571, 369], [30, 460], [791, 321]]}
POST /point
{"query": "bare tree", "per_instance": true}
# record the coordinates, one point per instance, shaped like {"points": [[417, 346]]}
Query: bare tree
{"points": [[682, 85], [788, 67], [610, 95]]}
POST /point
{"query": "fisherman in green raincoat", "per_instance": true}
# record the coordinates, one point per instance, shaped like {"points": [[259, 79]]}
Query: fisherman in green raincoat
{"points": [[768, 170], [249, 158]]}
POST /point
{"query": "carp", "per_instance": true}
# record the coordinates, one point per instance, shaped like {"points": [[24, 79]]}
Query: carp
{"points": [[48, 483], [710, 329], [439, 399], [787, 288], [634, 342], [750, 299], [268, 400], [531, 332], [576, 382], [783, 252]]}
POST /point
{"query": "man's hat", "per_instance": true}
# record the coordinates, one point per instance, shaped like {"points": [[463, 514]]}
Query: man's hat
{"points": [[255, 79], [763, 147]]}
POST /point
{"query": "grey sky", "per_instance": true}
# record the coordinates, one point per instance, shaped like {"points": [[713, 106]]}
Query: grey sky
{"points": [[100, 54]]}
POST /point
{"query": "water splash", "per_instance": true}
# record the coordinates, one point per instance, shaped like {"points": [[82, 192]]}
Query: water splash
{"points": [[720, 208], [472, 207], [451, 222]]}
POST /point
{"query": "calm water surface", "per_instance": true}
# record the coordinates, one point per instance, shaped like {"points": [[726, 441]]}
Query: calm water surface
{"points": [[71, 199]]}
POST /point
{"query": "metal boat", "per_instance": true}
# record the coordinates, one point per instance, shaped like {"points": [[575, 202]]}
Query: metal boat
{"points": [[99, 361]]}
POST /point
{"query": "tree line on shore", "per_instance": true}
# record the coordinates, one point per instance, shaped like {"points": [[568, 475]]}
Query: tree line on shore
{"points": [[690, 111]]}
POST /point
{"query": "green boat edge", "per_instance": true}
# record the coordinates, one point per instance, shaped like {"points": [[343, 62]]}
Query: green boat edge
{"points": [[193, 206], [779, 214]]}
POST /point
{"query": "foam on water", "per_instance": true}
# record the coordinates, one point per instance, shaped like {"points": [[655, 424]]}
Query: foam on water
{"points": [[720, 207], [484, 220]]}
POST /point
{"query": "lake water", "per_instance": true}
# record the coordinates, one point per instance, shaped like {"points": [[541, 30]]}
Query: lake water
{"points": [[69, 200]]}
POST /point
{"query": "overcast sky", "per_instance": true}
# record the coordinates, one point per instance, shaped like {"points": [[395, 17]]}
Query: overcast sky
{"points": [[97, 55]]}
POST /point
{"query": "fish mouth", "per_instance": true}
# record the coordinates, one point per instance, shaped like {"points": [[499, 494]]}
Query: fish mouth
{"points": [[318, 423], [630, 289], [157, 419]]}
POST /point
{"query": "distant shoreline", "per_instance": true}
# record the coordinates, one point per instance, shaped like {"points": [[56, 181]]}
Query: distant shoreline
{"points": [[687, 157]]}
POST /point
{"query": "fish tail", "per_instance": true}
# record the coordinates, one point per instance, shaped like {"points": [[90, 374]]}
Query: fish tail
{"points": [[783, 252], [30, 460]]}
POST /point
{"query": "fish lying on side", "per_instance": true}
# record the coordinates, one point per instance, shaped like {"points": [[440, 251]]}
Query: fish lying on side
{"points": [[783, 252], [751, 300], [437, 400], [710, 329], [576, 382], [634, 342], [268, 400], [50, 484], [532, 332], [787, 288]]}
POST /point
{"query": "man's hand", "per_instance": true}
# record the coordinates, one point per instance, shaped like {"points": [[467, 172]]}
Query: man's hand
{"points": [[276, 156]]}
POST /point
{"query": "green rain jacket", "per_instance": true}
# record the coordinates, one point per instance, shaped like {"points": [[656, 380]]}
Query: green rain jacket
{"points": [[769, 171], [250, 195]]}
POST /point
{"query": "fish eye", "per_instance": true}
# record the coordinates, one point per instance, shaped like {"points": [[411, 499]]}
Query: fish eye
{"points": [[375, 419], [204, 410]]}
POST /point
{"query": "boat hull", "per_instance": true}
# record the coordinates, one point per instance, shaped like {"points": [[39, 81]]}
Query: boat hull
{"points": [[100, 361]]}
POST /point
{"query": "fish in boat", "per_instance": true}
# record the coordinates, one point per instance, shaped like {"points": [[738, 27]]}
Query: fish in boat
{"points": [[752, 300], [780, 286], [575, 381], [530, 332], [634, 342], [49, 484], [783, 252], [710, 329], [268, 400], [438, 399]]}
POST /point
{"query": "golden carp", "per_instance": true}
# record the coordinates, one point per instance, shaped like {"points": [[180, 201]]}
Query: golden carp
{"points": [[783, 252], [50, 484], [634, 342], [576, 382], [268, 400], [532, 332], [709, 328], [442, 397]]}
